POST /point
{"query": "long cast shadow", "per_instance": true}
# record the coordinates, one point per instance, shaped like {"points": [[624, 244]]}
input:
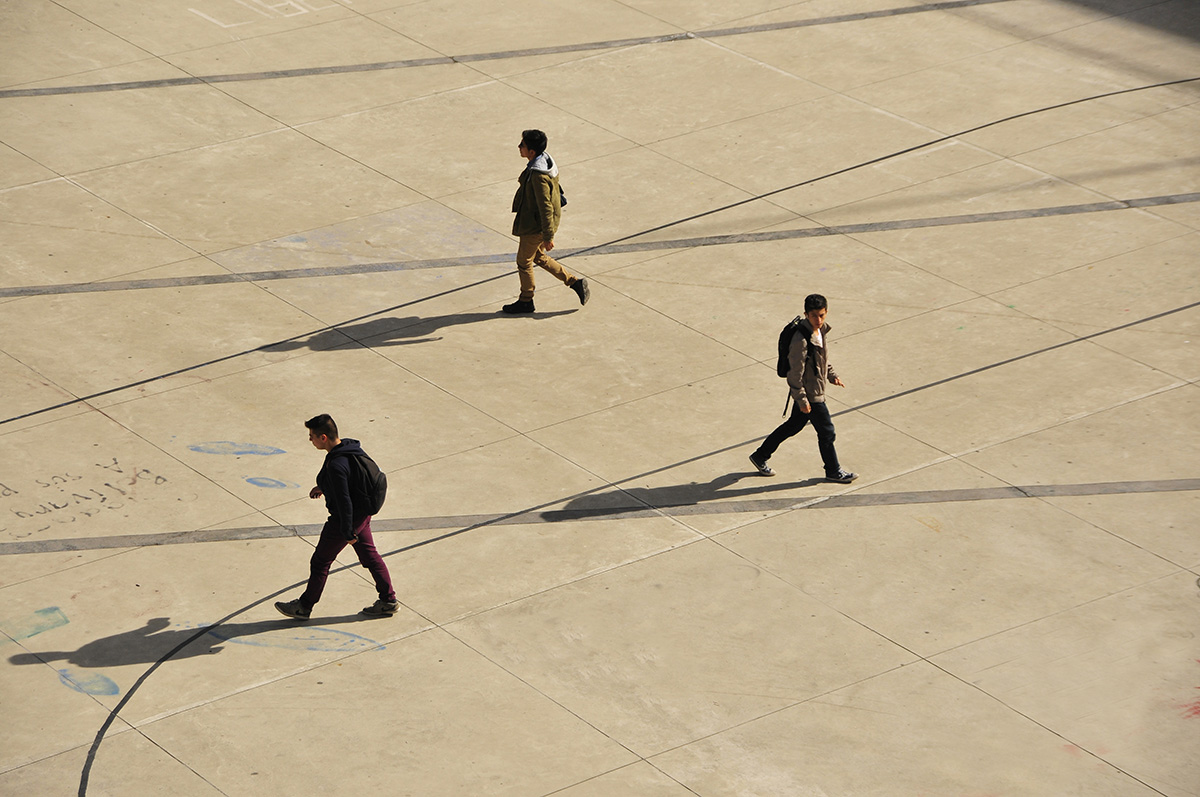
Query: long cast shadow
{"points": [[675, 496], [395, 330], [147, 644], [1178, 19]]}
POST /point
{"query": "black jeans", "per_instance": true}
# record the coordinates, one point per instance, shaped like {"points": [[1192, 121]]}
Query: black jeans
{"points": [[822, 423]]}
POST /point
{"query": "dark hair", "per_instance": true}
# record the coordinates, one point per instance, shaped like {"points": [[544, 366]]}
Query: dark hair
{"points": [[323, 425], [535, 140], [814, 301]]}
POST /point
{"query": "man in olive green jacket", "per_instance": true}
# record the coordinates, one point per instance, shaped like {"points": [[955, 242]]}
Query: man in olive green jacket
{"points": [[538, 205]]}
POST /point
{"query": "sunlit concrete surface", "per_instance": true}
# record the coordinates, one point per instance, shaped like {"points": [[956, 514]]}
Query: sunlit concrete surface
{"points": [[219, 218]]}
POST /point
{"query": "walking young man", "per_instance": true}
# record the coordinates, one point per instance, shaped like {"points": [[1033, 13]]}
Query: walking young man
{"points": [[808, 370], [347, 525], [538, 205]]}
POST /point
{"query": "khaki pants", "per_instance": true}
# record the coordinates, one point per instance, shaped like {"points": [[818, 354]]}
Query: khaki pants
{"points": [[530, 254]]}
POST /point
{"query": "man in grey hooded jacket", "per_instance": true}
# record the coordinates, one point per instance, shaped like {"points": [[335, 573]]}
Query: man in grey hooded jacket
{"points": [[538, 205], [808, 371]]}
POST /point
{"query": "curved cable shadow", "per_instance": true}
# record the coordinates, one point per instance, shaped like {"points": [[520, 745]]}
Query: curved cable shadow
{"points": [[602, 246], [93, 750]]}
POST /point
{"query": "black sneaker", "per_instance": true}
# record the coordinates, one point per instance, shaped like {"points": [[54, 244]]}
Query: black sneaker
{"points": [[580, 286], [293, 609], [761, 466], [381, 608], [843, 476], [518, 307]]}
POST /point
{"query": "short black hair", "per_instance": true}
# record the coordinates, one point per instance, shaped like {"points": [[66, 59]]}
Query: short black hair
{"points": [[534, 140], [814, 301], [323, 425]]}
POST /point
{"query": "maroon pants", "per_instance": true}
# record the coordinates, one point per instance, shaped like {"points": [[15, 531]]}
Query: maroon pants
{"points": [[328, 548]]}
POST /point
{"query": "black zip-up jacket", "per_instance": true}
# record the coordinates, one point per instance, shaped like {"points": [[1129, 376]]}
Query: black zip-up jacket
{"points": [[334, 481]]}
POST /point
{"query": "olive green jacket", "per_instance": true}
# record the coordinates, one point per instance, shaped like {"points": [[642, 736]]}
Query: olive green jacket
{"points": [[538, 201]]}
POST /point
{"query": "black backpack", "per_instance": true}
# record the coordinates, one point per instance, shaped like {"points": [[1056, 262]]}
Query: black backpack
{"points": [[368, 483], [785, 344], [782, 366]]}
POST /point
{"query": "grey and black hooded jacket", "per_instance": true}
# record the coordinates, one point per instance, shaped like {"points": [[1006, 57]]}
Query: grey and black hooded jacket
{"points": [[807, 374]]}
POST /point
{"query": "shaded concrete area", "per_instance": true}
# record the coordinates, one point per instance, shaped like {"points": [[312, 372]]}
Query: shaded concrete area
{"points": [[220, 218]]}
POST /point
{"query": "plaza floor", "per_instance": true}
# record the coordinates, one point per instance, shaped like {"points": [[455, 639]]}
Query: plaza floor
{"points": [[219, 218]]}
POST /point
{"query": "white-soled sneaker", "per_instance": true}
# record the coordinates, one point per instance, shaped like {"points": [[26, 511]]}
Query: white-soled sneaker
{"points": [[762, 467], [294, 609], [381, 608]]}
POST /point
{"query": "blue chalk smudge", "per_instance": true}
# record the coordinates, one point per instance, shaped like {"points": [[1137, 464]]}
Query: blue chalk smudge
{"points": [[88, 683], [235, 449], [33, 624], [320, 640], [270, 484]]}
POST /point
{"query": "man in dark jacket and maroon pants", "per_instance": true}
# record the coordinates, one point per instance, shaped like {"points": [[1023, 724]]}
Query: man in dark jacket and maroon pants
{"points": [[346, 525], [808, 371]]}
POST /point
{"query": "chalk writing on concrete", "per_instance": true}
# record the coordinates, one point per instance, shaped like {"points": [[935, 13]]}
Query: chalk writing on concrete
{"points": [[242, 12], [49, 499]]}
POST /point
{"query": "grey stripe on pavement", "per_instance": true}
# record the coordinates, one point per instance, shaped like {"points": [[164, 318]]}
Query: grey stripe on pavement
{"points": [[714, 506], [608, 249]]}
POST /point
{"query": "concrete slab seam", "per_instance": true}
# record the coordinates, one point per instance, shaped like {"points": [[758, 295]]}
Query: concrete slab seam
{"points": [[898, 153], [611, 44], [603, 249]]}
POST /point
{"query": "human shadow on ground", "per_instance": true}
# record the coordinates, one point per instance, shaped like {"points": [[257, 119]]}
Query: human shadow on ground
{"points": [[677, 497], [394, 331], [157, 638]]}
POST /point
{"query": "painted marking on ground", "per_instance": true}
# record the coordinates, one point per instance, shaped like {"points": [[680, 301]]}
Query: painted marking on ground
{"points": [[30, 625], [90, 683], [317, 639], [270, 484], [602, 249], [229, 448], [578, 509]]}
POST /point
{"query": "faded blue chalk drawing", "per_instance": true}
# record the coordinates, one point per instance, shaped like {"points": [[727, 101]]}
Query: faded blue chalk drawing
{"points": [[34, 624], [271, 484], [88, 683], [317, 639], [235, 449]]}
